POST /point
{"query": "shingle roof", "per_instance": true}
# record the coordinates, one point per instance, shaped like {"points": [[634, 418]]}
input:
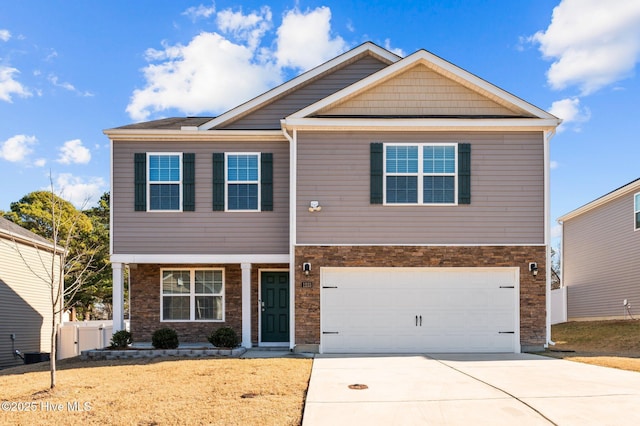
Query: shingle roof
{"points": [[173, 123], [11, 229]]}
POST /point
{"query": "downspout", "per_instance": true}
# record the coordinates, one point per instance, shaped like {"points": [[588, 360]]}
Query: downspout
{"points": [[292, 230], [547, 232]]}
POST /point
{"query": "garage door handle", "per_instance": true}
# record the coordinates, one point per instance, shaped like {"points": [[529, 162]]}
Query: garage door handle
{"points": [[420, 320], [330, 332], [416, 320], [506, 332]]}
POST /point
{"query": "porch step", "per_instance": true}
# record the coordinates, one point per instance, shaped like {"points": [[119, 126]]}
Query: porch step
{"points": [[271, 348]]}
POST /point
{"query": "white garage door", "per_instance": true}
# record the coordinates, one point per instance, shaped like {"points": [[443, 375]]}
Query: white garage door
{"points": [[408, 310]]}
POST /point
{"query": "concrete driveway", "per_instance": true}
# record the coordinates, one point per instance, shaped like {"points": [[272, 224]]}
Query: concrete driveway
{"points": [[468, 389]]}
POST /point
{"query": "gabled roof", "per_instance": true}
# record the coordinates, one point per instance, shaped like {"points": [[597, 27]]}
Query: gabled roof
{"points": [[440, 66], [13, 231], [367, 48], [631, 187]]}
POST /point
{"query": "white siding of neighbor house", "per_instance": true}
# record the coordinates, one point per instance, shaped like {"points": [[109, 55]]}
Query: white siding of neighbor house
{"points": [[269, 116], [601, 260], [420, 91], [25, 300], [507, 192], [203, 231]]}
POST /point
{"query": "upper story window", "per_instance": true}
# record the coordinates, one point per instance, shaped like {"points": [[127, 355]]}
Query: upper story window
{"points": [[636, 210], [243, 181], [165, 181], [420, 173]]}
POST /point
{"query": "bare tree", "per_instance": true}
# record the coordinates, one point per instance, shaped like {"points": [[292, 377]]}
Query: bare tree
{"points": [[71, 263]]}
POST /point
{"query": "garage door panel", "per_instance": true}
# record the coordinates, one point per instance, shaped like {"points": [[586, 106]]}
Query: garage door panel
{"points": [[419, 309]]}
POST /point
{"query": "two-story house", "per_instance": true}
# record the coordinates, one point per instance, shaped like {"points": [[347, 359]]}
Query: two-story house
{"points": [[372, 204]]}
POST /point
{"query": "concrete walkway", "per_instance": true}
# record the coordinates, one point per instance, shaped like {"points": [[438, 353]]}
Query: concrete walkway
{"points": [[468, 389]]}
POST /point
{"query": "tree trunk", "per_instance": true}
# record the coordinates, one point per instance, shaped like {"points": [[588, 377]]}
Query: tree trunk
{"points": [[52, 355]]}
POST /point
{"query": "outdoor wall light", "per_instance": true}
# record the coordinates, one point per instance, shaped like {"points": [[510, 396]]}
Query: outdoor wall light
{"points": [[306, 268], [533, 268], [314, 206]]}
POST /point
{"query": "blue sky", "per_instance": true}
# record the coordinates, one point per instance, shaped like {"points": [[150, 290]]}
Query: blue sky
{"points": [[69, 69]]}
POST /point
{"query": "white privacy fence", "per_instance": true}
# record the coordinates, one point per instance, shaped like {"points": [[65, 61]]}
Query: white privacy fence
{"points": [[559, 305], [77, 336]]}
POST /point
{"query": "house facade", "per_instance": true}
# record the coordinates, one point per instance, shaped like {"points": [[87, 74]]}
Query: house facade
{"points": [[600, 252], [372, 204], [26, 312]]}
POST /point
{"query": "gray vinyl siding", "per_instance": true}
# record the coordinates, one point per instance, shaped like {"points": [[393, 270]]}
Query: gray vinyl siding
{"points": [[269, 116], [25, 301], [507, 192], [601, 259], [202, 231]]}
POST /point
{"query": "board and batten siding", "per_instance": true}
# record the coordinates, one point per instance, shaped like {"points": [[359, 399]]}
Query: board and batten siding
{"points": [[202, 231], [507, 192], [601, 259], [25, 300], [269, 116]]}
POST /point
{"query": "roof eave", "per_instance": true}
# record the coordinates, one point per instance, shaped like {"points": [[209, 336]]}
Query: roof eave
{"points": [[633, 186], [193, 135]]}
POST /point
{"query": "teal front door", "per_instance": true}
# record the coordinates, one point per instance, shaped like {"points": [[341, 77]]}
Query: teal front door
{"points": [[274, 301]]}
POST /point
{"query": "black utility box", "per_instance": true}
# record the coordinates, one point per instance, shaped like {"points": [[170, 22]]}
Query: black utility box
{"points": [[34, 357]]}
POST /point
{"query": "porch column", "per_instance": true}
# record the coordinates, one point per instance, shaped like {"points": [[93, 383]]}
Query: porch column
{"points": [[118, 296], [246, 304]]}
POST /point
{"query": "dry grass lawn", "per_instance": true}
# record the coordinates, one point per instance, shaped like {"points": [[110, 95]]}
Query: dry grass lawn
{"points": [[161, 391], [607, 343]]}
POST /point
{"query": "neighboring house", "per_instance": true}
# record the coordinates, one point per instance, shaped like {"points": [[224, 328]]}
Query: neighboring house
{"points": [[26, 312], [601, 256], [372, 204]]}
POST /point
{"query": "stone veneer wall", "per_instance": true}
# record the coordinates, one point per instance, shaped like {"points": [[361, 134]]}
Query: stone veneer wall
{"points": [[145, 303], [532, 289]]}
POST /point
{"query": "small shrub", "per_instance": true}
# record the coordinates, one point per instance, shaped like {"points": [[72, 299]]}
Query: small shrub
{"points": [[224, 337], [121, 339], [165, 338]]}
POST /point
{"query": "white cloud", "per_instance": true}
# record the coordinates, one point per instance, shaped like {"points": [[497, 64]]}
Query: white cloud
{"points": [[200, 11], [556, 231], [80, 192], [249, 28], [554, 165], [593, 43], [40, 162], [17, 148], [9, 86], [5, 35], [397, 51], [572, 114], [53, 79], [73, 152], [304, 39], [217, 71]]}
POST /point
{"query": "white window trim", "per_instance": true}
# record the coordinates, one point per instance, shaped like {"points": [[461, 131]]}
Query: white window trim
{"points": [[192, 294], [149, 183], [227, 183], [636, 210], [420, 174]]}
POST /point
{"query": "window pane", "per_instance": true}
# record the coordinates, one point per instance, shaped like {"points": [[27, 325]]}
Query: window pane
{"points": [[402, 159], [164, 168], [439, 189], [637, 202], [402, 189], [164, 197], [242, 168], [439, 159], [208, 308], [243, 197], [638, 220], [175, 308], [208, 282], [175, 282]]}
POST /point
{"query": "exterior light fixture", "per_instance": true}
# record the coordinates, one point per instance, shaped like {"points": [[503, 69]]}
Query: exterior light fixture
{"points": [[306, 268], [533, 268], [314, 206]]}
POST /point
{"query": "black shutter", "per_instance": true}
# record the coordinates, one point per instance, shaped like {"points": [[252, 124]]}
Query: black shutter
{"points": [[266, 182], [376, 173], [464, 173], [140, 181], [218, 182], [188, 182]]}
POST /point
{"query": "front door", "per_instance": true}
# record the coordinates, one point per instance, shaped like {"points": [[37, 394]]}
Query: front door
{"points": [[274, 303]]}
